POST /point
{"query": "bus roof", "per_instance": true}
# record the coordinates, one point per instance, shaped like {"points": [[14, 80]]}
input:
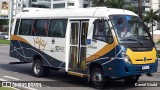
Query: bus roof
{"points": [[73, 13]]}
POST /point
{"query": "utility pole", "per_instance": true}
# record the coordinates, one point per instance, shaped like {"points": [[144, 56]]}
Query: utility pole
{"points": [[140, 8], [10, 18]]}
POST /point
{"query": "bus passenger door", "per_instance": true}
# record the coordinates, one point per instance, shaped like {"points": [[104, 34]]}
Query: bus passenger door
{"points": [[78, 45]]}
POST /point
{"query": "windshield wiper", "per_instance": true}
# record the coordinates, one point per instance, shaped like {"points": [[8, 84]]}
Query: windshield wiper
{"points": [[132, 40]]}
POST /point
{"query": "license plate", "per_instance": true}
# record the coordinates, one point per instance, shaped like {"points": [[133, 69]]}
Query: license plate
{"points": [[145, 67]]}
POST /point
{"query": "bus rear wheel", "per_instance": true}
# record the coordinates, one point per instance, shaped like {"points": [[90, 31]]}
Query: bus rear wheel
{"points": [[131, 79], [39, 70], [97, 78]]}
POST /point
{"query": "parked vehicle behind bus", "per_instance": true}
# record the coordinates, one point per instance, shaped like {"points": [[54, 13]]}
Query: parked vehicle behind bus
{"points": [[3, 35], [97, 43]]}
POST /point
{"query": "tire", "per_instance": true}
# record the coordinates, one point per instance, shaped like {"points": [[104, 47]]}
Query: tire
{"points": [[131, 79], [39, 70], [97, 78]]}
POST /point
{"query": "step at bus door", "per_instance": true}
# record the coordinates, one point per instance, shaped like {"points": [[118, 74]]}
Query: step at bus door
{"points": [[78, 44]]}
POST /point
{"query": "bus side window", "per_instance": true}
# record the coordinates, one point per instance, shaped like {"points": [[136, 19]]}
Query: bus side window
{"points": [[57, 28], [40, 28], [102, 31], [25, 27], [16, 27]]}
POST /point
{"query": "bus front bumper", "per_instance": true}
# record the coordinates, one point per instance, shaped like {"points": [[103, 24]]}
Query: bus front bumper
{"points": [[118, 68]]}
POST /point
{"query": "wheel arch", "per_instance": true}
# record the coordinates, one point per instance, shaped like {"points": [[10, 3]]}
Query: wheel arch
{"points": [[35, 57], [95, 65]]}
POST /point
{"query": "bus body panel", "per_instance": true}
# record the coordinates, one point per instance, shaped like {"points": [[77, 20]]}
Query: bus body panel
{"points": [[25, 52]]}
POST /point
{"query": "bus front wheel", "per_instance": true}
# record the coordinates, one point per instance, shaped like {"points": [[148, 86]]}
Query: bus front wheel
{"points": [[131, 79], [97, 78], [39, 70]]}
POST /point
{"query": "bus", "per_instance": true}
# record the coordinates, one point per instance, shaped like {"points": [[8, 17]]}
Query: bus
{"points": [[96, 42]]}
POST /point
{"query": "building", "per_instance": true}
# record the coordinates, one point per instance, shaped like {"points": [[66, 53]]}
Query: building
{"points": [[144, 3], [52, 4], [59, 3], [155, 5]]}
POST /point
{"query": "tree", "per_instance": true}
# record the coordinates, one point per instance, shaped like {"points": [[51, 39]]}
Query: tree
{"points": [[97, 3], [150, 17], [132, 8], [109, 3], [115, 3]]}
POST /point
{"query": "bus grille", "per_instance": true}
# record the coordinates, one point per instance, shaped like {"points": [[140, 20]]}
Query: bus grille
{"points": [[141, 49]]}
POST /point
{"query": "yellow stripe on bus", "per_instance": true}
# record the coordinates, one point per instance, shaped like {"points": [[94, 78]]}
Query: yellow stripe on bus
{"points": [[107, 48], [18, 38]]}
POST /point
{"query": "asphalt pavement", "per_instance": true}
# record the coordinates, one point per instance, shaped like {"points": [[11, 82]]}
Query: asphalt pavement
{"points": [[57, 80]]}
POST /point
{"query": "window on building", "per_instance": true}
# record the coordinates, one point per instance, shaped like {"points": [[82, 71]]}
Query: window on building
{"points": [[34, 0], [85, 5], [40, 28], [70, 4], [25, 27], [58, 28], [58, 0], [16, 27], [60, 5]]}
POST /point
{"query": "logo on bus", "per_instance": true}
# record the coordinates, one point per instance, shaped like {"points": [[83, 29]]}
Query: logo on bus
{"points": [[145, 59], [38, 42]]}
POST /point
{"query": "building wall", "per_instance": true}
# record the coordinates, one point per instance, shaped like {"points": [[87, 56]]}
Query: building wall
{"points": [[60, 3], [155, 6]]}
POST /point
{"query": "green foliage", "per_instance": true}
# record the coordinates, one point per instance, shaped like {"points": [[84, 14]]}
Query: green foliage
{"points": [[115, 3], [109, 3], [97, 3], [7, 42], [132, 8], [4, 21], [151, 15]]}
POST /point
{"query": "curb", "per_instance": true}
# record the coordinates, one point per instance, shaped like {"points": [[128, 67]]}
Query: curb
{"points": [[3, 45]]}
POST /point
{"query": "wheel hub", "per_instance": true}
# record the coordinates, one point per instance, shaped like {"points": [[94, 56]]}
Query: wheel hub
{"points": [[97, 78], [37, 68]]}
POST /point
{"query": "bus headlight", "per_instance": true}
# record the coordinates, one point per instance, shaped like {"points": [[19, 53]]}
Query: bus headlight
{"points": [[126, 58]]}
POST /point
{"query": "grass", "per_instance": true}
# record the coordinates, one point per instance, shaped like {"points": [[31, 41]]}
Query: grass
{"points": [[7, 42], [5, 88]]}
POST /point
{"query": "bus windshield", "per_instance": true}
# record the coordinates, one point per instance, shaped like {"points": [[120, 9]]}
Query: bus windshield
{"points": [[129, 27]]}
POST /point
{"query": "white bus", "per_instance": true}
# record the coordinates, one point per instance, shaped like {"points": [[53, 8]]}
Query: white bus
{"points": [[94, 42]]}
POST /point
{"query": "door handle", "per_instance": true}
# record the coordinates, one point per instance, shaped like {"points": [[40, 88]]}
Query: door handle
{"points": [[53, 41]]}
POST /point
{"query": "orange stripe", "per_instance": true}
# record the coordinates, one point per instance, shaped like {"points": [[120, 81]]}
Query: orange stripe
{"points": [[107, 48], [18, 38]]}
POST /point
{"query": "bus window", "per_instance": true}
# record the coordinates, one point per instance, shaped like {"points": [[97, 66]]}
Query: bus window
{"points": [[102, 31], [40, 28], [57, 28], [84, 33], [25, 27], [16, 27]]}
